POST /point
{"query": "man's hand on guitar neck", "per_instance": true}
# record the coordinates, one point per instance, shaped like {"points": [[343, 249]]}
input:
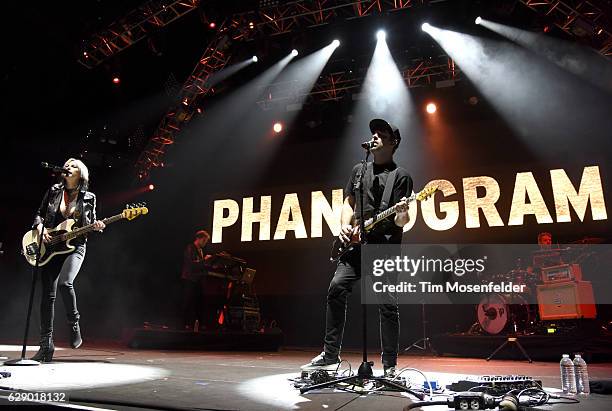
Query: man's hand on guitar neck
{"points": [[401, 213], [348, 232]]}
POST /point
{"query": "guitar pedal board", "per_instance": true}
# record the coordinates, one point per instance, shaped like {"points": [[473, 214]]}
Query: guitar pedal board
{"points": [[495, 384]]}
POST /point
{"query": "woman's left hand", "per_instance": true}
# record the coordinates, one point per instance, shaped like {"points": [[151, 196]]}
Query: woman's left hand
{"points": [[99, 225]]}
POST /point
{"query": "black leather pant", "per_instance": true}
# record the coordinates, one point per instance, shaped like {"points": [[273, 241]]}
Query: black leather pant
{"points": [[60, 271], [347, 274]]}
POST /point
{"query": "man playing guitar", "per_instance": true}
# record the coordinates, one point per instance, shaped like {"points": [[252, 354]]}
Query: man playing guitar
{"points": [[385, 140]]}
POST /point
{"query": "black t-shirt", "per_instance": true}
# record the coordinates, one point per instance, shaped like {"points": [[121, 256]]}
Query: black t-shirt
{"points": [[374, 181]]}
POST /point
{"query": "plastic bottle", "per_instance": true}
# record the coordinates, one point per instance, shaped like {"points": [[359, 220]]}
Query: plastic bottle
{"points": [[582, 375], [568, 375], [196, 326]]}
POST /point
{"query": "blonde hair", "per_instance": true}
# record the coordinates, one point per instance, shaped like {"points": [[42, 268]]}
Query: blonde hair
{"points": [[83, 170]]}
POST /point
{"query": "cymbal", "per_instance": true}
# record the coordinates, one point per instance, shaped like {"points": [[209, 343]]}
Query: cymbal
{"points": [[589, 240]]}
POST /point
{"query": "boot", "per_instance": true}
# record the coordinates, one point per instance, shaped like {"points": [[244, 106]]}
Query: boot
{"points": [[75, 334], [46, 350]]}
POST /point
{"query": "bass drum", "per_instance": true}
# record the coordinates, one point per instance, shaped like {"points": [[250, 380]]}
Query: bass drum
{"points": [[501, 312]]}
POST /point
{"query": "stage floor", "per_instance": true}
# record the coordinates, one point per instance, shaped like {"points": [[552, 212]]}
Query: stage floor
{"points": [[111, 376]]}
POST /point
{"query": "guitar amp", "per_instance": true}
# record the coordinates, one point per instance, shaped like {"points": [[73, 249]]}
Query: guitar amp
{"points": [[561, 273], [568, 300]]}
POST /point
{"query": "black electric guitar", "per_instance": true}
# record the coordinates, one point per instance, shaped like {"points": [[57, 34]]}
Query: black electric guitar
{"points": [[64, 233], [339, 248]]}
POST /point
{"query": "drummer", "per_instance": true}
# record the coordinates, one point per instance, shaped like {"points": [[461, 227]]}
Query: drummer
{"points": [[545, 240]]}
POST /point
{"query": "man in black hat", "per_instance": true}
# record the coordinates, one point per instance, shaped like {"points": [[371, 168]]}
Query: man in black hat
{"points": [[385, 140]]}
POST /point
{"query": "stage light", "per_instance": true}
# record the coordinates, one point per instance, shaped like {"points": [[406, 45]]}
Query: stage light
{"points": [[116, 80], [431, 108], [251, 25], [478, 20], [212, 25], [151, 187], [425, 26], [278, 127], [85, 54], [255, 59], [294, 52], [381, 35], [335, 43]]}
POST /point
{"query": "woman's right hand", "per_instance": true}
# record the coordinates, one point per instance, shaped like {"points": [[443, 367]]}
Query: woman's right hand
{"points": [[46, 236]]}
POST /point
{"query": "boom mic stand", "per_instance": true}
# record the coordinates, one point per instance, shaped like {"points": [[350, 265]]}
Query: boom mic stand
{"points": [[35, 272], [364, 373]]}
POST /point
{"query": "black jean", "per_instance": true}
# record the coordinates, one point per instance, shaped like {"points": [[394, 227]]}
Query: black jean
{"points": [[192, 304], [347, 274], [60, 271]]}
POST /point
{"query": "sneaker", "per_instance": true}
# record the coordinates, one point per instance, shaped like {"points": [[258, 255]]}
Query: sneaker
{"points": [[389, 371], [322, 362]]}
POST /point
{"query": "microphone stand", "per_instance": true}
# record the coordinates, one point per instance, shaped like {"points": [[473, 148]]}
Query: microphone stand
{"points": [[364, 373], [35, 272]]}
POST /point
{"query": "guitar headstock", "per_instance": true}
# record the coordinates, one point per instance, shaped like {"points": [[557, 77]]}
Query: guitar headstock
{"points": [[134, 210], [427, 192]]}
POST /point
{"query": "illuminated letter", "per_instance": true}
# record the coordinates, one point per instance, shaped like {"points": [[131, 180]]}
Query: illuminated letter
{"points": [[320, 209], [219, 221], [262, 217], [486, 203], [450, 208], [291, 208], [526, 184], [590, 189]]}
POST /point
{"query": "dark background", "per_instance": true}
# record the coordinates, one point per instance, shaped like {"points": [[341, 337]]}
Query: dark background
{"points": [[54, 108]]}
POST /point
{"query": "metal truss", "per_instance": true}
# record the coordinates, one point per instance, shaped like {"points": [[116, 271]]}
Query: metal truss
{"points": [[215, 58], [285, 18], [132, 28], [419, 72], [579, 18], [269, 21]]}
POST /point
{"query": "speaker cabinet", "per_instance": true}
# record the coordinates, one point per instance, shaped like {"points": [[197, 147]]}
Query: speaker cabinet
{"points": [[571, 299]]}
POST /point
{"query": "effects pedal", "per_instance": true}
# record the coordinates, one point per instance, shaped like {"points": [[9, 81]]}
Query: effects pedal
{"points": [[495, 384]]}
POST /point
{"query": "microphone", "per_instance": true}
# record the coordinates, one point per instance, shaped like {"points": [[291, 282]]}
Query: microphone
{"points": [[368, 145], [55, 169]]}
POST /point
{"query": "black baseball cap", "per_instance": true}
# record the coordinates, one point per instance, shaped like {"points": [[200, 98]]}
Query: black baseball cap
{"points": [[380, 124]]}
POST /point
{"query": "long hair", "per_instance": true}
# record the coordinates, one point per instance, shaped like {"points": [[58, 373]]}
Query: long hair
{"points": [[83, 170]]}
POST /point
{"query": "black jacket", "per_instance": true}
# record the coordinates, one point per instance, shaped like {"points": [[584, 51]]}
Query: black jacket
{"points": [[84, 214]]}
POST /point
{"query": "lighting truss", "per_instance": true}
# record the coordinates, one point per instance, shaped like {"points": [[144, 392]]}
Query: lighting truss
{"points": [[419, 72], [132, 28], [273, 20], [580, 18], [215, 58]]}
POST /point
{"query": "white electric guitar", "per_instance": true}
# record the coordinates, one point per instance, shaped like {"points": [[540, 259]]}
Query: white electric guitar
{"points": [[63, 234]]}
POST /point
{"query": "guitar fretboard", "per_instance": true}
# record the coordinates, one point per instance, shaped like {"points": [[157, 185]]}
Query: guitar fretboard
{"points": [[88, 228], [369, 223]]}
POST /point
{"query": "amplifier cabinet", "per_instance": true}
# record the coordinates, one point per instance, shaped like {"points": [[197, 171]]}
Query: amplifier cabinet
{"points": [[566, 300], [561, 273]]}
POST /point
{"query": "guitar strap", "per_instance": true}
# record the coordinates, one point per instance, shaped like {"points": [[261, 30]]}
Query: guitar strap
{"points": [[384, 203]]}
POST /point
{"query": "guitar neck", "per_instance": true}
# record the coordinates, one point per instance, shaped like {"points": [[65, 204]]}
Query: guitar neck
{"points": [[86, 229], [371, 222]]}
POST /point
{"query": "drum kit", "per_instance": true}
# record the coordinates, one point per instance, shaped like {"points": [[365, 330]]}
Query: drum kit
{"points": [[508, 312], [512, 313]]}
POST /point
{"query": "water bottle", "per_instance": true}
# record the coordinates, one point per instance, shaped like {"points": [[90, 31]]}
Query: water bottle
{"points": [[196, 326], [582, 375], [568, 375]]}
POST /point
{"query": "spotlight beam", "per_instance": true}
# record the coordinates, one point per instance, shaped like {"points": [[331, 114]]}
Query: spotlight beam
{"points": [[533, 97]]}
